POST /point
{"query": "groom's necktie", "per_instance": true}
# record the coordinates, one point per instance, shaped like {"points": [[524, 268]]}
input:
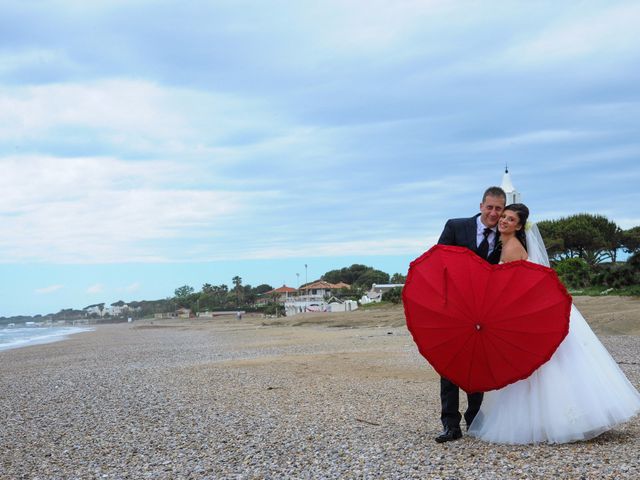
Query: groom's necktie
{"points": [[483, 248]]}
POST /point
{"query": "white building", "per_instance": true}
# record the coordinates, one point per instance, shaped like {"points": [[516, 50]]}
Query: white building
{"points": [[376, 291], [117, 310], [513, 196], [318, 297], [342, 305], [95, 310]]}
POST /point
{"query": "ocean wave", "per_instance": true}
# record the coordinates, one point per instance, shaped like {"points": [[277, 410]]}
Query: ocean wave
{"points": [[17, 337]]}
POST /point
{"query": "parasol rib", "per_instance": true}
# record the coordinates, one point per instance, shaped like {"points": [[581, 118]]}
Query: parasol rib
{"points": [[460, 351], [444, 281], [453, 306], [505, 359], [473, 353], [524, 315], [484, 340], [511, 304], [491, 296], [517, 347], [445, 342], [438, 313]]}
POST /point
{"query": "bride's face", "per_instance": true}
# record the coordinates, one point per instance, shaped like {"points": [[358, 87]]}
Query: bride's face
{"points": [[509, 222]]}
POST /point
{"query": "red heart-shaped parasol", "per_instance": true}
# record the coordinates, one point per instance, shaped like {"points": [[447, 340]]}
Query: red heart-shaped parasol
{"points": [[484, 326]]}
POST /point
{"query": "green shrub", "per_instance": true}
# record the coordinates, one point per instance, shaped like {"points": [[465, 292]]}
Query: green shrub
{"points": [[574, 272], [633, 290], [394, 295]]}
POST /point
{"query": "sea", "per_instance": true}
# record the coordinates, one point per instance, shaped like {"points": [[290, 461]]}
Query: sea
{"points": [[22, 336]]}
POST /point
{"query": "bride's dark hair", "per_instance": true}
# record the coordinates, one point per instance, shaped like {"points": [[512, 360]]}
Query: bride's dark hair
{"points": [[523, 214]]}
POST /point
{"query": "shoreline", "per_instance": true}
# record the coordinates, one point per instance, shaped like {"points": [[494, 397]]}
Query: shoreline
{"points": [[259, 398], [60, 333]]}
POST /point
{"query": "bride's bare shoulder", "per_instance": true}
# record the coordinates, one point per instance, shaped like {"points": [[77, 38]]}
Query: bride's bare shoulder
{"points": [[512, 251]]}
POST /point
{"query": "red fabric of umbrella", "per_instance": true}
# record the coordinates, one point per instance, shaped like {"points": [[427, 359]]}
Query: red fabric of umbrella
{"points": [[484, 326]]}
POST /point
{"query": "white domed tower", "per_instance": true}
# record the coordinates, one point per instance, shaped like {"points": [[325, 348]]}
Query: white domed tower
{"points": [[513, 196]]}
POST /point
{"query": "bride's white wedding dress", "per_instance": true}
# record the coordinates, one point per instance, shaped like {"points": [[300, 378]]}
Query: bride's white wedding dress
{"points": [[578, 394]]}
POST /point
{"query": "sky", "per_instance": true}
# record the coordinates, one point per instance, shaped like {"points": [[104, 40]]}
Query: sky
{"points": [[146, 145]]}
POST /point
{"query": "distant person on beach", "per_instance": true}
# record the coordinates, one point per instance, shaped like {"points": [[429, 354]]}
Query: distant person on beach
{"points": [[478, 234]]}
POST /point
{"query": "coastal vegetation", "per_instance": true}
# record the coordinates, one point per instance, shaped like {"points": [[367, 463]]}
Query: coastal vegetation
{"points": [[584, 250]]}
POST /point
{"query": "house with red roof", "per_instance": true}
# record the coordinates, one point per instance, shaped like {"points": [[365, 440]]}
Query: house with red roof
{"points": [[280, 295], [321, 289]]}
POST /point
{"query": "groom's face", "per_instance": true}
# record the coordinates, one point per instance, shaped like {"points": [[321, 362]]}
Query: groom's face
{"points": [[490, 210]]}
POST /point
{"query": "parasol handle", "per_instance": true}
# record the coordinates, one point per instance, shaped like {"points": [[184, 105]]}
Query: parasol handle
{"points": [[444, 285]]}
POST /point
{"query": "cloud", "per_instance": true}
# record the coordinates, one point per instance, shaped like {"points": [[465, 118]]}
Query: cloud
{"points": [[371, 123], [134, 117], [97, 288], [610, 31], [49, 289], [535, 138], [359, 26], [95, 210], [134, 287], [396, 246], [31, 59]]}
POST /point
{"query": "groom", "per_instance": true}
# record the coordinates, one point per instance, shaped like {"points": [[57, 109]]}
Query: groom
{"points": [[479, 234]]}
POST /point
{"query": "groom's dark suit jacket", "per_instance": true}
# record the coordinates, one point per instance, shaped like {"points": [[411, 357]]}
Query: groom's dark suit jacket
{"points": [[462, 232]]}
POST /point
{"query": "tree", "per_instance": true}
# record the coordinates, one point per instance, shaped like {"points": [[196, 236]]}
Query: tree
{"points": [[356, 275], [370, 277], [630, 240], [593, 238], [553, 241], [398, 278], [184, 291], [347, 274], [185, 298], [394, 295], [581, 238], [610, 233], [237, 287], [248, 295], [263, 288]]}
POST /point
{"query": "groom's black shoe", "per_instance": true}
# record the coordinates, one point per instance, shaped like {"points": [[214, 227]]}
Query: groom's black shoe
{"points": [[449, 434]]}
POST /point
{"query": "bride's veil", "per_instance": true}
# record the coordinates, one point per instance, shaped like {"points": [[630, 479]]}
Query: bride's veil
{"points": [[535, 245]]}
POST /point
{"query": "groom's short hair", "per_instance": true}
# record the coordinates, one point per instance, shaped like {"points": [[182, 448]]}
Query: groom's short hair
{"points": [[494, 192]]}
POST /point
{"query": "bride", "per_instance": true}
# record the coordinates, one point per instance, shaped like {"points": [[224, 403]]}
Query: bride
{"points": [[578, 394]]}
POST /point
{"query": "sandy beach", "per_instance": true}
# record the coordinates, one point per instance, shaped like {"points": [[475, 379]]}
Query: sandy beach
{"points": [[311, 396]]}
